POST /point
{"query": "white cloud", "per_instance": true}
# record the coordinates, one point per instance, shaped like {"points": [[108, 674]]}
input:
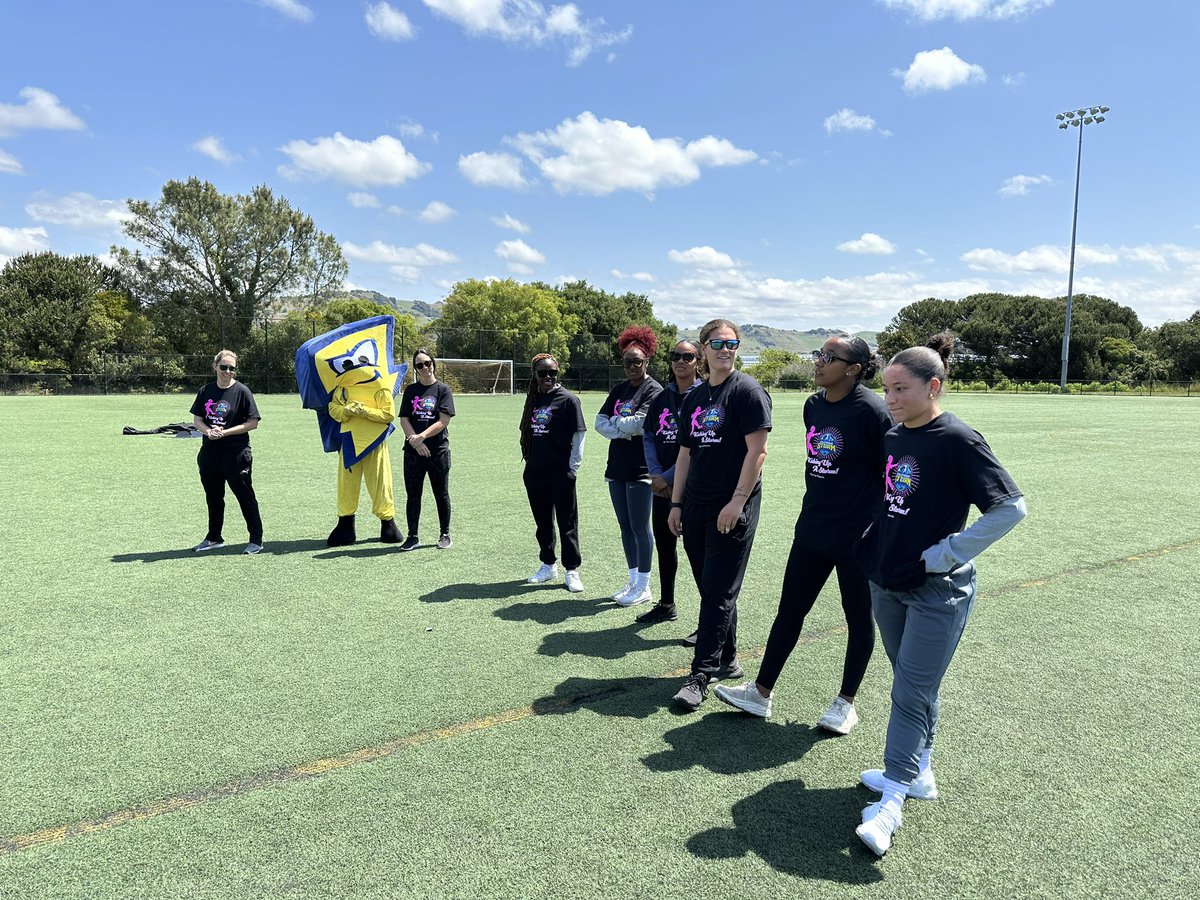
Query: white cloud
{"points": [[41, 110], [643, 276], [868, 243], [437, 212], [362, 200], [1020, 185], [388, 23], [931, 10], [15, 241], [10, 165], [599, 156], [409, 128], [939, 70], [519, 256], [848, 120], [528, 22], [357, 163], [492, 170], [1015, 79], [290, 8], [1043, 258], [508, 222], [79, 210], [701, 257], [378, 252], [212, 147]]}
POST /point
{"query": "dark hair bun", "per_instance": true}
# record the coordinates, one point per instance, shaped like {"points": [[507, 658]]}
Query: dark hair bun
{"points": [[942, 344], [641, 336]]}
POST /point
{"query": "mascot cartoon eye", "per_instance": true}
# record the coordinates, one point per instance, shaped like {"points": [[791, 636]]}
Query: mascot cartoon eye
{"points": [[365, 353]]}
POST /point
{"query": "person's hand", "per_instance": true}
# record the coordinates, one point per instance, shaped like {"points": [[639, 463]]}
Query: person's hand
{"points": [[660, 486], [730, 513], [215, 433], [675, 521]]}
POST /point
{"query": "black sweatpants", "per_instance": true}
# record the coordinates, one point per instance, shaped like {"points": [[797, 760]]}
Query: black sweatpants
{"points": [[437, 467], [806, 573], [719, 564], [551, 498], [666, 545], [218, 469]]}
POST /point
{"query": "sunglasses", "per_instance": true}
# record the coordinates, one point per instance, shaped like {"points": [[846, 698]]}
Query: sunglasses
{"points": [[823, 356], [227, 368], [546, 373], [683, 357], [727, 344], [633, 363], [428, 364]]}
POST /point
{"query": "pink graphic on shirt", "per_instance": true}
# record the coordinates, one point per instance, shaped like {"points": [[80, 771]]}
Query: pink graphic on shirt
{"points": [[208, 407], [696, 414], [887, 473], [665, 421], [623, 408], [808, 440]]}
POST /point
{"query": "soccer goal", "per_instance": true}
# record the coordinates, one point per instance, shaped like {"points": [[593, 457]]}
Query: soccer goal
{"points": [[477, 376]]}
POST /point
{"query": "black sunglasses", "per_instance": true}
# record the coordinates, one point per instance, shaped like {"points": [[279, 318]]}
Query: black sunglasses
{"points": [[825, 357], [632, 363], [225, 367], [546, 373], [682, 357], [428, 364], [724, 344]]}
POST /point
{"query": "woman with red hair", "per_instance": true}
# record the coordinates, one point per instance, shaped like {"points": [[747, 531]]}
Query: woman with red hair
{"points": [[620, 420]]}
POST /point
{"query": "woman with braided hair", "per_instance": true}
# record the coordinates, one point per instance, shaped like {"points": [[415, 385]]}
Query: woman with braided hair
{"points": [[552, 435], [620, 419]]}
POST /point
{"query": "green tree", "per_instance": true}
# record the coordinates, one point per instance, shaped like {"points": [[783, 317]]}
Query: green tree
{"points": [[504, 320], [213, 263], [1177, 344], [772, 362]]}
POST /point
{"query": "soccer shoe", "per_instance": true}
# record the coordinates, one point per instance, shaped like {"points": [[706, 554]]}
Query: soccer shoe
{"points": [[573, 582], [343, 533], [388, 532], [206, 544], [839, 718], [693, 692], [746, 698], [879, 824], [659, 612], [924, 787], [547, 572], [444, 542], [410, 543], [635, 597], [252, 549]]}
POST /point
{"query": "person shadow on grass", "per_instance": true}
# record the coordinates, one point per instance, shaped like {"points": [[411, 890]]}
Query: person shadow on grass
{"points": [[231, 548], [733, 744], [808, 833], [613, 643], [554, 612], [471, 590], [636, 698]]}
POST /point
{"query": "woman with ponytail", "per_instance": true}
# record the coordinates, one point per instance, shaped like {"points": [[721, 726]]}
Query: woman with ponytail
{"points": [[919, 561], [844, 424], [552, 434]]}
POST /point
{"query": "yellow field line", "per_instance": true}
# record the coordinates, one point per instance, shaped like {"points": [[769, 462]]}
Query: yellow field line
{"points": [[321, 767]]}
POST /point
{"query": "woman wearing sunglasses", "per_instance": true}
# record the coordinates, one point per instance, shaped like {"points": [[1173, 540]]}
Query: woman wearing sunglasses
{"points": [[844, 425], [715, 499], [659, 440], [552, 433], [225, 413], [620, 420], [425, 412]]}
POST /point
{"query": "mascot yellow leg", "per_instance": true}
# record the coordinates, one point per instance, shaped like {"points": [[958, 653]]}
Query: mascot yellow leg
{"points": [[376, 469]]}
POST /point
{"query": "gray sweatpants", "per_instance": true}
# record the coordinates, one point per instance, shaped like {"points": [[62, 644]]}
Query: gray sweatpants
{"points": [[920, 631]]}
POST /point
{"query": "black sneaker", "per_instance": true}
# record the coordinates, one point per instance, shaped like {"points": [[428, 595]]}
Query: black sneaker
{"points": [[410, 543], [693, 692], [660, 612], [690, 640], [733, 670]]}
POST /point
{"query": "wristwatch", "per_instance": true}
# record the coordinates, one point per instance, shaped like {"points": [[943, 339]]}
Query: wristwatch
{"points": [[675, 504]]}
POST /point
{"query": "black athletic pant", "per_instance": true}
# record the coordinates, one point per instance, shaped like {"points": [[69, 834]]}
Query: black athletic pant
{"points": [[806, 573], [552, 497], [218, 469], [666, 545], [437, 467], [719, 565]]}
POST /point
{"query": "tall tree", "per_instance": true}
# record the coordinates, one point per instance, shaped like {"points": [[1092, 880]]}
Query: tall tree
{"points": [[214, 262], [503, 320]]}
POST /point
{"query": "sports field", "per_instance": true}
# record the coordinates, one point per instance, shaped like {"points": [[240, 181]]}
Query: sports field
{"points": [[364, 723]]}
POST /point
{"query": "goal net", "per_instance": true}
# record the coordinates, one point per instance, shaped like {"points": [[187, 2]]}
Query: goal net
{"points": [[477, 376]]}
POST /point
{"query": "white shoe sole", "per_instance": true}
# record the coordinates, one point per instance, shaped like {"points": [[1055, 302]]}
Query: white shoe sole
{"points": [[634, 599], [879, 843], [872, 779], [761, 712], [832, 728]]}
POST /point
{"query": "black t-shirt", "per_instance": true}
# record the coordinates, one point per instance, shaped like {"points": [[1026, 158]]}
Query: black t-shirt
{"points": [[842, 474], [932, 477], [714, 422], [662, 423], [557, 416], [422, 405], [225, 408], [626, 456]]}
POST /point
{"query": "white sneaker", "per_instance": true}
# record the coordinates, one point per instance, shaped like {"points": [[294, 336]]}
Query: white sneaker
{"points": [[252, 549], [206, 544], [840, 717], [879, 824], [746, 698], [544, 574], [573, 582], [923, 788], [635, 597], [628, 589]]}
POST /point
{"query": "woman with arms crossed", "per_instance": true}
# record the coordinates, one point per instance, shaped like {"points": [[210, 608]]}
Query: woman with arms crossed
{"points": [[715, 499], [425, 412], [844, 426], [918, 559]]}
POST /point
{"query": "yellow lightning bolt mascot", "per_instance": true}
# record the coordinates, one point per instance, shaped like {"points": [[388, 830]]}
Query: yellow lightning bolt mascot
{"points": [[348, 376]]}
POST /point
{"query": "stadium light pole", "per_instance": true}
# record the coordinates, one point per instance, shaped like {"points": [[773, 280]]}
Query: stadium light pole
{"points": [[1075, 118]]}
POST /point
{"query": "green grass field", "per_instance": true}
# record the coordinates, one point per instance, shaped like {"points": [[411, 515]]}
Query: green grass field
{"points": [[363, 723]]}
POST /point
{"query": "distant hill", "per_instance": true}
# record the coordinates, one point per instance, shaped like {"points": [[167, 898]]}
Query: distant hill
{"points": [[418, 309], [763, 337]]}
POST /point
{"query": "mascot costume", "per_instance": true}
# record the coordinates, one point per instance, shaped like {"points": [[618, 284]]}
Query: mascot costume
{"points": [[349, 377]]}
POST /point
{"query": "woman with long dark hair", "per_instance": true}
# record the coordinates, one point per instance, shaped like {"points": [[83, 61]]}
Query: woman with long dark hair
{"points": [[425, 412], [844, 425], [919, 561], [552, 437]]}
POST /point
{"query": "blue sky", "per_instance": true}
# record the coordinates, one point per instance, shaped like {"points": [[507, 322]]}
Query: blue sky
{"points": [[812, 163]]}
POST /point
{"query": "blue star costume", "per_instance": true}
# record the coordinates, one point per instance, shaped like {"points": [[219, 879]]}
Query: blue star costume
{"points": [[348, 376]]}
